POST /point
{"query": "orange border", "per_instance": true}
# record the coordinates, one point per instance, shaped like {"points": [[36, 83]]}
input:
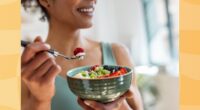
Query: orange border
{"points": [[190, 55], [10, 55]]}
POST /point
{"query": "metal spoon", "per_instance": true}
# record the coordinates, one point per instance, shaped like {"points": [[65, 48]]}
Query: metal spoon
{"points": [[55, 53]]}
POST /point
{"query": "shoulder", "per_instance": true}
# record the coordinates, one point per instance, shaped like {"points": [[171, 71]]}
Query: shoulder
{"points": [[119, 47], [93, 43], [122, 54]]}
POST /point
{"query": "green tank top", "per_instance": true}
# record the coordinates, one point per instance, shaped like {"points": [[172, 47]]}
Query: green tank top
{"points": [[64, 99]]}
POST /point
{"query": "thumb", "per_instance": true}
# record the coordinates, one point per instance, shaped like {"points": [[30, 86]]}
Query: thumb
{"points": [[38, 39], [128, 94]]}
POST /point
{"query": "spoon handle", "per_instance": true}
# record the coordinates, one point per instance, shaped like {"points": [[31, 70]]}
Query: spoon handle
{"points": [[25, 43], [52, 51]]}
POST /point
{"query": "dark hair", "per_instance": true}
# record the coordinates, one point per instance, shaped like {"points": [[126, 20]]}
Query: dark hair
{"points": [[28, 4]]}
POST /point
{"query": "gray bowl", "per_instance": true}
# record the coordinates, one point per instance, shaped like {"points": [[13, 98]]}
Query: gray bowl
{"points": [[102, 90]]}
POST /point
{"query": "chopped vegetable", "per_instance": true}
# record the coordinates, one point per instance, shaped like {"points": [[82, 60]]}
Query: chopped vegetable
{"points": [[102, 72]]}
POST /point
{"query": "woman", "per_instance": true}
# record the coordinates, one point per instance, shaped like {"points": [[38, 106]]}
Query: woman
{"points": [[44, 86]]}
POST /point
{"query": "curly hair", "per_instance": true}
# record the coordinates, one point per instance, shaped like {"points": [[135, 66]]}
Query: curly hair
{"points": [[28, 4]]}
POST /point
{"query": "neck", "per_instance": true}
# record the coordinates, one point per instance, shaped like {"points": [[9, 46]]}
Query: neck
{"points": [[63, 38]]}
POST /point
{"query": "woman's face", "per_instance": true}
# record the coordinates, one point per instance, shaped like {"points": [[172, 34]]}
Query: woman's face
{"points": [[75, 13]]}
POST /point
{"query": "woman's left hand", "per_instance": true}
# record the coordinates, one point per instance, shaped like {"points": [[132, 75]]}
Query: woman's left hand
{"points": [[93, 105]]}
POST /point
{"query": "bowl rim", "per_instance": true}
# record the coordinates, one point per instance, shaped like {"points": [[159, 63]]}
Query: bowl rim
{"points": [[130, 72]]}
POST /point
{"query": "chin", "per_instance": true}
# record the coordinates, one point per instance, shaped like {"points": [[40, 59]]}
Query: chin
{"points": [[86, 25]]}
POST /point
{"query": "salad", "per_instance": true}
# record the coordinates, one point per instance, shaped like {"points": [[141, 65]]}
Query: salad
{"points": [[101, 72]]}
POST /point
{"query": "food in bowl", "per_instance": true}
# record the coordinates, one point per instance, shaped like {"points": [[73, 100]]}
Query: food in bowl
{"points": [[101, 72], [103, 89]]}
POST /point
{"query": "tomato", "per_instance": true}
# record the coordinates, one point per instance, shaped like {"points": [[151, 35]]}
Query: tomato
{"points": [[93, 67], [123, 70], [119, 72]]}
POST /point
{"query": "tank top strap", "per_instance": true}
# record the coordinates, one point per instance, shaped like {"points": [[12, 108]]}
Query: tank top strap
{"points": [[107, 53]]}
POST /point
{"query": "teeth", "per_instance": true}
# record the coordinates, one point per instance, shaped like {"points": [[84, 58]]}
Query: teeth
{"points": [[86, 10]]}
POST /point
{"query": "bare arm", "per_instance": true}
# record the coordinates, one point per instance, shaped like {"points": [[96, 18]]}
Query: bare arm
{"points": [[123, 58]]}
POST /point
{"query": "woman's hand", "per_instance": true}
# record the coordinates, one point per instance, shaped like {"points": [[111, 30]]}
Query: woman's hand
{"points": [[39, 70], [115, 105]]}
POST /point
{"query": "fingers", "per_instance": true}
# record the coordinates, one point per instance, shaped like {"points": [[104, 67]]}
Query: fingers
{"points": [[39, 59], [135, 100], [51, 74], [95, 105], [83, 105], [128, 94], [116, 104], [32, 49], [38, 64], [40, 71], [38, 39], [29, 68]]}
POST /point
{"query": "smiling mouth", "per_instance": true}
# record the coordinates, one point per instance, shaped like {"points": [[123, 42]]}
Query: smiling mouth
{"points": [[89, 11]]}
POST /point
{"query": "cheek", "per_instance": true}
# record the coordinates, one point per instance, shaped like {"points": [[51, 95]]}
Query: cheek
{"points": [[66, 11], [61, 10], [68, 7], [65, 7]]}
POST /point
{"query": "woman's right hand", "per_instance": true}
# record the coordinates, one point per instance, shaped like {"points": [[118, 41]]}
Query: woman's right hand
{"points": [[39, 71]]}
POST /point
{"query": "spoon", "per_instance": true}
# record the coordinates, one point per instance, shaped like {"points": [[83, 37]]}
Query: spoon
{"points": [[79, 56]]}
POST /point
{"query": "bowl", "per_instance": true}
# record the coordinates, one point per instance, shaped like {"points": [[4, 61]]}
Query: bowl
{"points": [[102, 90]]}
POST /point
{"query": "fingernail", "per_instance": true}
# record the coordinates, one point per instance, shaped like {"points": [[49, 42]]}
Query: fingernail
{"points": [[87, 102], [129, 97], [48, 46]]}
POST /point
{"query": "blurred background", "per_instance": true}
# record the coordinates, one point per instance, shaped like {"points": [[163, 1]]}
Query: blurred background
{"points": [[149, 28]]}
